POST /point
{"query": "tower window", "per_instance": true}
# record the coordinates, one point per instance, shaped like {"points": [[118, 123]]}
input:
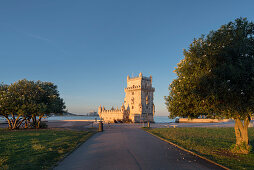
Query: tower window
{"points": [[132, 93], [132, 100], [132, 107]]}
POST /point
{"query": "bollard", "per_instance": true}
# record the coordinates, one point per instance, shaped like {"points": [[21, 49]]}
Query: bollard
{"points": [[148, 124], [100, 126]]}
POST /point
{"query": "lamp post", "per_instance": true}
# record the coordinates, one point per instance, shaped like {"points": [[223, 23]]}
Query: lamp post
{"points": [[148, 123]]}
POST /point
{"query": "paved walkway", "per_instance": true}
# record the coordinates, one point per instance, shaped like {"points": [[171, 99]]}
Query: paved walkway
{"points": [[129, 147]]}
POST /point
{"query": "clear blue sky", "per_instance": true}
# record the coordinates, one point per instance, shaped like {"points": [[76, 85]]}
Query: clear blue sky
{"points": [[88, 48]]}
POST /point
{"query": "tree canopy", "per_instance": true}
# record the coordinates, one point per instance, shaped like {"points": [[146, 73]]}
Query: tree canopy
{"points": [[216, 76], [28, 101]]}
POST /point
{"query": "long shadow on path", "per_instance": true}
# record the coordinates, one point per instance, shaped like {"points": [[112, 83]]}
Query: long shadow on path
{"points": [[129, 147]]}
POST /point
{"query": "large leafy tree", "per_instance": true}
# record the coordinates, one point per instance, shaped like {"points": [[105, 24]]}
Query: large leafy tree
{"points": [[29, 101], [49, 100], [216, 79]]}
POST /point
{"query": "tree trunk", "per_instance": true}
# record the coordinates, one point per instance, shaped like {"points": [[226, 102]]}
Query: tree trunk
{"points": [[26, 122], [20, 123], [34, 121], [13, 122], [39, 122], [16, 121], [241, 134], [9, 122]]}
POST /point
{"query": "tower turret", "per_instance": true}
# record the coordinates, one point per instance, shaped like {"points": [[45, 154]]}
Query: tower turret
{"points": [[140, 74], [128, 108], [99, 109], [122, 108]]}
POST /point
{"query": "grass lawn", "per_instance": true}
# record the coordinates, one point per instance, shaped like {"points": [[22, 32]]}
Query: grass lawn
{"points": [[212, 143], [37, 149]]}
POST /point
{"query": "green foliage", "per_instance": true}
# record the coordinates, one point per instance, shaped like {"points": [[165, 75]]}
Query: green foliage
{"points": [[37, 149], [3, 90], [43, 125], [212, 143], [216, 76], [26, 100]]}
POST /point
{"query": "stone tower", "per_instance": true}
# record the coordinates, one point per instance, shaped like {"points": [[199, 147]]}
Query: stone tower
{"points": [[139, 98]]}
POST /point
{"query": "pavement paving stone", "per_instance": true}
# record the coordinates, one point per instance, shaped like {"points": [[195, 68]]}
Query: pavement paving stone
{"points": [[129, 147]]}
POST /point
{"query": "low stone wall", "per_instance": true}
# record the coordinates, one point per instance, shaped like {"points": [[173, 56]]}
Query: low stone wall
{"points": [[186, 120]]}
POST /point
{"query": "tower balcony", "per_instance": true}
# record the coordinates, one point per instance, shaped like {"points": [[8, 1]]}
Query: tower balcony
{"points": [[139, 88]]}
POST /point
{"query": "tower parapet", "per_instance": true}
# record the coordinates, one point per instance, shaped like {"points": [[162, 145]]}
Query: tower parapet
{"points": [[113, 115]]}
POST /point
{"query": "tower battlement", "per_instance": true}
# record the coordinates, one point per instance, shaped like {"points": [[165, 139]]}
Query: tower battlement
{"points": [[140, 76], [112, 115]]}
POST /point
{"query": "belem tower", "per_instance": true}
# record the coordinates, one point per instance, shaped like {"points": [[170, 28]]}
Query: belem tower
{"points": [[138, 103]]}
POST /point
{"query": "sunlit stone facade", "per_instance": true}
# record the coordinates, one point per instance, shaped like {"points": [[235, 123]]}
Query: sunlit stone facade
{"points": [[138, 102]]}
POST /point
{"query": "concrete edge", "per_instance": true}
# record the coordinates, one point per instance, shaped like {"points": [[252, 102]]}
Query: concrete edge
{"points": [[67, 154], [188, 151]]}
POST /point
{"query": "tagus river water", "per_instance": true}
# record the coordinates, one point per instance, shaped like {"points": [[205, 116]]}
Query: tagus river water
{"points": [[157, 119]]}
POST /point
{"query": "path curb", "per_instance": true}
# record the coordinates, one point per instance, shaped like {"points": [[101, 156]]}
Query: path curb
{"points": [[188, 151]]}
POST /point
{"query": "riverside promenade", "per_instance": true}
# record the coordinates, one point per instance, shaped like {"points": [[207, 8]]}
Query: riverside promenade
{"points": [[127, 146]]}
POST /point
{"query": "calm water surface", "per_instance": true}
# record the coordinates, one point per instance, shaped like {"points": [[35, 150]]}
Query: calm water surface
{"points": [[157, 119]]}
